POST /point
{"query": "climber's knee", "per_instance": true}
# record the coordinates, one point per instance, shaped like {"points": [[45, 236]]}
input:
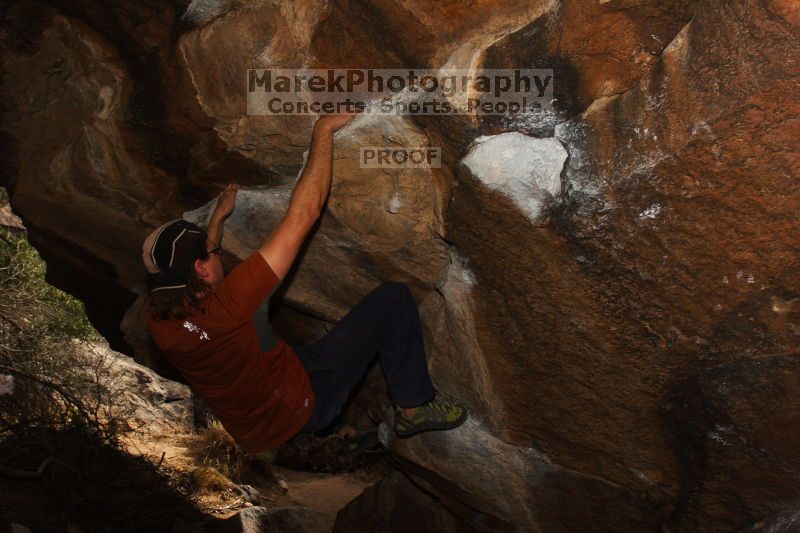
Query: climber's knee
{"points": [[395, 290]]}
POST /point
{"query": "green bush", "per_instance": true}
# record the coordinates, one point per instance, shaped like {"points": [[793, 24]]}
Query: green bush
{"points": [[60, 428], [46, 342], [27, 296]]}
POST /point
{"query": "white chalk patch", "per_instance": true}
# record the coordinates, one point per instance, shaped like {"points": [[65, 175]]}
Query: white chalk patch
{"points": [[717, 437], [526, 169], [460, 271], [394, 204], [204, 11], [651, 212], [581, 182]]}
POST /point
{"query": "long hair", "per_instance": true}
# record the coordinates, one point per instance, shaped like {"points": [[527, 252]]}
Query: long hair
{"points": [[187, 304]]}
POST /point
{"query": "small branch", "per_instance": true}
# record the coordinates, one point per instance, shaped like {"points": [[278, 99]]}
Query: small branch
{"points": [[12, 322], [65, 395], [654, 332], [16, 472]]}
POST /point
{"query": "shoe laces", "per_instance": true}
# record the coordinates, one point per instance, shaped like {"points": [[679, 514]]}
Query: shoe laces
{"points": [[439, 404]]}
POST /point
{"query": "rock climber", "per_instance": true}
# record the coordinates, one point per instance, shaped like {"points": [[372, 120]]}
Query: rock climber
{"points": [[214, 328]]}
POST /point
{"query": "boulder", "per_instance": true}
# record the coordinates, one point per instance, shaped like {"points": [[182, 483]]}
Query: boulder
{"points": [[155, 404], [264, 520], [395, 505], [609, 287]]}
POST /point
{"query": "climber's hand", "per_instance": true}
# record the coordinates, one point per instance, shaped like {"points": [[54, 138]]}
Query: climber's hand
{"points": [[332, 123], [226, 201]]}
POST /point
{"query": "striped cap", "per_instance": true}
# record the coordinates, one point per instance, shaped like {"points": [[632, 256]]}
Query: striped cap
{"points": [[168, 254]]}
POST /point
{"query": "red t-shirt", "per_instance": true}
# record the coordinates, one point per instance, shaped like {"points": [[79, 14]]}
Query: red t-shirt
{"points": [[261, 397]]}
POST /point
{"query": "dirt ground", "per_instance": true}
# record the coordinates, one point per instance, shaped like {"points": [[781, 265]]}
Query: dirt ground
{"points": [[325, 494]]}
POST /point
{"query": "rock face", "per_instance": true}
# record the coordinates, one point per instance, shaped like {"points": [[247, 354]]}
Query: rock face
{"points": [[157, 405], [263, 520], [525, 169], [612, 288], [395, 505]]}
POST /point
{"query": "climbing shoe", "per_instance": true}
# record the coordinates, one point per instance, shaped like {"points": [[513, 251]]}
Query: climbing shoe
{"points": [[437, 414], [354, 446]]}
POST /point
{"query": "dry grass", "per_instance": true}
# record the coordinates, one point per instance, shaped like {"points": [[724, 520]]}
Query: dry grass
{"points": [[215, 448]]}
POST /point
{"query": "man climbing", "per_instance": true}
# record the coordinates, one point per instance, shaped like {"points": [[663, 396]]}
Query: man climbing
{"points": [[213, 328]]}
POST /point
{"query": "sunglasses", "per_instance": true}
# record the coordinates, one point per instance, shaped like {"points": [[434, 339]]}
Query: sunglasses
{"points": [[217, 250]]}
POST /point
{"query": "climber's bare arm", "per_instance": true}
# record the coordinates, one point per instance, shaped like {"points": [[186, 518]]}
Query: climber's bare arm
{"points": [[308, 198], [225, 205]]}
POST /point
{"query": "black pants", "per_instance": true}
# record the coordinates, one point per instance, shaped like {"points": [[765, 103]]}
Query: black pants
{"points": [[385, 322]]}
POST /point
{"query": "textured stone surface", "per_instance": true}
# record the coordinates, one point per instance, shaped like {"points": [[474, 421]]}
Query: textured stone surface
{"points": [[8, 219], [525, 169], [157, 405], [396, 505], [611, 288], [264, 520]]}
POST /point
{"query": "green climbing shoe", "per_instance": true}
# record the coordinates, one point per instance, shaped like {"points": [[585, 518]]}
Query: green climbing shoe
{"points": [[437, 414], [353, 447]]}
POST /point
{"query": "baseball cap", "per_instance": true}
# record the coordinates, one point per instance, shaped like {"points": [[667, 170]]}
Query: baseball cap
{"points": [[168, 254]]}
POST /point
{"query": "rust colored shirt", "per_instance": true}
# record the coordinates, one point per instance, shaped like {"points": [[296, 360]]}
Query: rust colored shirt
{"points": [[256, 387]]}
